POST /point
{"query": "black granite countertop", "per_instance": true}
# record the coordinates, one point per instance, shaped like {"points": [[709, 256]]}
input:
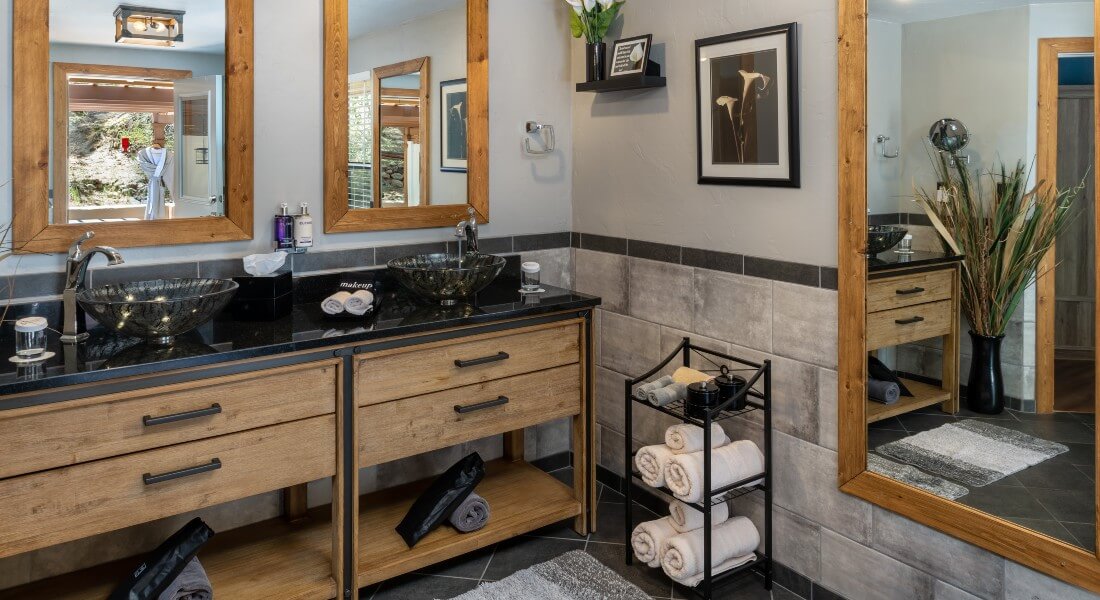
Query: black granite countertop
{"points": [[107, 355], [890, 260]]}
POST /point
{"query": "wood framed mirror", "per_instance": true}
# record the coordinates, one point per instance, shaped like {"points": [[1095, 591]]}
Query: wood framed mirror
{"points": [[406, 114], [133, 130], [927, 84]]}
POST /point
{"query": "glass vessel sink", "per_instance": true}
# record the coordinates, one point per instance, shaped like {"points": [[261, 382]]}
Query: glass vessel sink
{"points": [[446, 278], [157, 310], [881, 238]]}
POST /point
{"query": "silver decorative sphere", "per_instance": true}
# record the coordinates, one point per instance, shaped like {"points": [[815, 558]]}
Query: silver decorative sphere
{"points": [[949, 135]]}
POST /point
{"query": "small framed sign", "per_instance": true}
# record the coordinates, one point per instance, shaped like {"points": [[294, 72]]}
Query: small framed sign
{"points": [[630, 56]]}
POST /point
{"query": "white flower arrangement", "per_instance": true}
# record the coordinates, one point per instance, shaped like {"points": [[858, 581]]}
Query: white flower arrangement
{"points": [[592, 18]]}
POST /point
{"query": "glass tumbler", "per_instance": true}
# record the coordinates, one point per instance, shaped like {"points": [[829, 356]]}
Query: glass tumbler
{"points": [[530, 276], [30, 337]]}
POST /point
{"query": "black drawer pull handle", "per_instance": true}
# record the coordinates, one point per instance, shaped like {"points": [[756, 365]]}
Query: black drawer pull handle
{"points": [[910, 291], [912, 321], [501, 401], [473, 362], [149, 421], [213, 465]]}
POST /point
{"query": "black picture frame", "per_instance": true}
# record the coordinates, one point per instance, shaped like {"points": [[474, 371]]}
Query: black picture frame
{"points": [[636, 68], [453, 146], [763, 151]]}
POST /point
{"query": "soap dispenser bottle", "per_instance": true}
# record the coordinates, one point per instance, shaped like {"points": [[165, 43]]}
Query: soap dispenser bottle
{"points": [[284, 228], [303, 227]]}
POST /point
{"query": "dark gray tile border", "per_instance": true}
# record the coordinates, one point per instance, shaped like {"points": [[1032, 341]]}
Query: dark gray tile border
{"points": [[829, 278], [122, 274], [356, 258], [780, 270], [384, 254], [886, 219], [821, 593], [540, 241], [653, 251], [574, 240], [714, 261], [31, 285], [603, 243], [500, 245], [794, 581], [920, 219]]}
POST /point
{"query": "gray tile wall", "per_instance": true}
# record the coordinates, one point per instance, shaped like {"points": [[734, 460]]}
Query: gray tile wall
{"points": [[844, 545]]}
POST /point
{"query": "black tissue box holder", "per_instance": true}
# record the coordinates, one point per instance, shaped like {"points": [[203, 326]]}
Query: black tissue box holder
{"points": [[263, 298]]}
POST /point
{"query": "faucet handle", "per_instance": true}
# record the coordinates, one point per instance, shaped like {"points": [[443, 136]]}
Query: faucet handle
{"points": [[74, 249]]}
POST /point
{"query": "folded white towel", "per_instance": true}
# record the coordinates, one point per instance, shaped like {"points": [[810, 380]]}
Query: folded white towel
{"points": [[682, 560], [649, 540], [718, 569], [729, 464], [685, 437], [686, 518], [359, 303], [643, 390], [335, 304], [652, 462], [663, 396]]}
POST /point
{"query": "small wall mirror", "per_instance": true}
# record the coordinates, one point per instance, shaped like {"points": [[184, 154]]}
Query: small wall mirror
{"points": [[407, 147], [132, 106]]}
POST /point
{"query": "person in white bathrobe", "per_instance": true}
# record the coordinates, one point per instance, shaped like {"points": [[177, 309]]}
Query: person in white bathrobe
{"points": [[157, 163]]}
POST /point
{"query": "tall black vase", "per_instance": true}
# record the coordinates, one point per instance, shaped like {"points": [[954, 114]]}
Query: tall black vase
{"points": [[985, 390], [595, 56]]}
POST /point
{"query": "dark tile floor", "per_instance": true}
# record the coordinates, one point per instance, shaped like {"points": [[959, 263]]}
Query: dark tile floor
{"points": [[458, 576], [1055, 497]]}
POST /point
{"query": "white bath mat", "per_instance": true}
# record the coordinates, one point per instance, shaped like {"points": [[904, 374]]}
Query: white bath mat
{"points": [[574, 575], [972, 452], [913, 476]]}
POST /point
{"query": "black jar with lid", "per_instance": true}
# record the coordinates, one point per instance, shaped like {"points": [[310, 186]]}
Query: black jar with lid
{"points": [[702, 396], [729, 385]]}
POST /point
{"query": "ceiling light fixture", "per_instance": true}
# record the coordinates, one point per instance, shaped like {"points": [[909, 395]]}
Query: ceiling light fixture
{"points": [[148, 26]]}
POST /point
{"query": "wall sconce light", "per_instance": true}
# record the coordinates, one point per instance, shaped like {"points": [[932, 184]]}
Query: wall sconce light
{"points": [[148, 26]]}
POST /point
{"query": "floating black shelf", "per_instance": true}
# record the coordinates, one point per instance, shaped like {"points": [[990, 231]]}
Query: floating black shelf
{"points": [[761, 400], [623, 83]]}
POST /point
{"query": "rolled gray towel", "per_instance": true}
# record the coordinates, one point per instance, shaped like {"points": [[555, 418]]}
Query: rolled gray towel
{"points": [[668, 394], [191, 584], [471, 515], [885, 392], [642, 391]]}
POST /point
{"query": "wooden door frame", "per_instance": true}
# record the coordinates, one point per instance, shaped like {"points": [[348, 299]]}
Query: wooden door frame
{"points": [[1046, 171], [422, 65], [1014, 542], [339, 217], [31, 76]]}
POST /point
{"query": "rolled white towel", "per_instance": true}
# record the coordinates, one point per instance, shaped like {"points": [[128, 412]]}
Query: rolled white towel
{"points": [[642, 391], [663, 396], [650, 538], [685, 437], [732, 543], [729, 464], [359, 303], [652, 462], [686, 518], [336, 303]]}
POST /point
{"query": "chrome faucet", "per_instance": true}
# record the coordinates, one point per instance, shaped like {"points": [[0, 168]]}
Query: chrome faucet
{"points": [[76, 269], [467, 231]]}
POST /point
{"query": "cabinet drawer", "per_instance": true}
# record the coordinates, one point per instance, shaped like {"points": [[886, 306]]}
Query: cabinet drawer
{"points": [[45, 437], [910, 324], [909, 290], [401, 428], [70, 503], [408, 372]]}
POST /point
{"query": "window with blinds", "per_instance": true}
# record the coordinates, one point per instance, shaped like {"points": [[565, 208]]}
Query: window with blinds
{"points": [[360, 144]]}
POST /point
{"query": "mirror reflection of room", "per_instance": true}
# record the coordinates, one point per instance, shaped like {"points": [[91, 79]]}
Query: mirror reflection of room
{"points": [[981, 238], [406, 103], [138, 97]]}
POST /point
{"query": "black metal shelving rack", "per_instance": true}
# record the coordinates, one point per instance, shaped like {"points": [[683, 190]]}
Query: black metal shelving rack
{"points": [[758, 375]]}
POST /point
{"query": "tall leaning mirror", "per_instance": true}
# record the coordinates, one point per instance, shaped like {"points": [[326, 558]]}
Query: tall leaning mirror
{"points": [[135, 121], [968, 272], [406, 105]]}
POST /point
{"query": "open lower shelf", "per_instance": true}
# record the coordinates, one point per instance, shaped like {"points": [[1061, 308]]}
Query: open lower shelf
{"points": [[270, 559], [923, 395], [521, 498]]}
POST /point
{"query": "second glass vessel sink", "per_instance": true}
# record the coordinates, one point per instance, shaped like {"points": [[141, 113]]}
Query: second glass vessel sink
{"points": [[446, 278], [157, 310]]}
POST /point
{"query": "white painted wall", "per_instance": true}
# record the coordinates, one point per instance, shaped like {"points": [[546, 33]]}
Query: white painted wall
{"points": [[442, 37], [635, 174], [527, 195], [883, 115]]}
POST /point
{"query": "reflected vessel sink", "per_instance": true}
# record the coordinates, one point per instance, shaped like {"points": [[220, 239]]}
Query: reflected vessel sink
{"points": [[881, 238], [157, 310], [446, 278]]}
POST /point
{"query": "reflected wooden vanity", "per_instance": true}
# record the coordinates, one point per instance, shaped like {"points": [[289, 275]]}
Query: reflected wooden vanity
{"points": [[88, 459], [911, 301]]}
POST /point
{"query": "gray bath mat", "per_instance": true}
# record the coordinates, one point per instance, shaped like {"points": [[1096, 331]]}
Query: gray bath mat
{"points": [[972, 452], [915, 477], [574, 575]]}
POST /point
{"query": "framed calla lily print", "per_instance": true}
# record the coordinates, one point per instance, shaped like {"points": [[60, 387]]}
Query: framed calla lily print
{"points": [[747, 102]]}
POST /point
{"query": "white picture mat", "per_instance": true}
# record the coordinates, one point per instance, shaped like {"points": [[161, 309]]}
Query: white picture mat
{"points": [[777, 42]]}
